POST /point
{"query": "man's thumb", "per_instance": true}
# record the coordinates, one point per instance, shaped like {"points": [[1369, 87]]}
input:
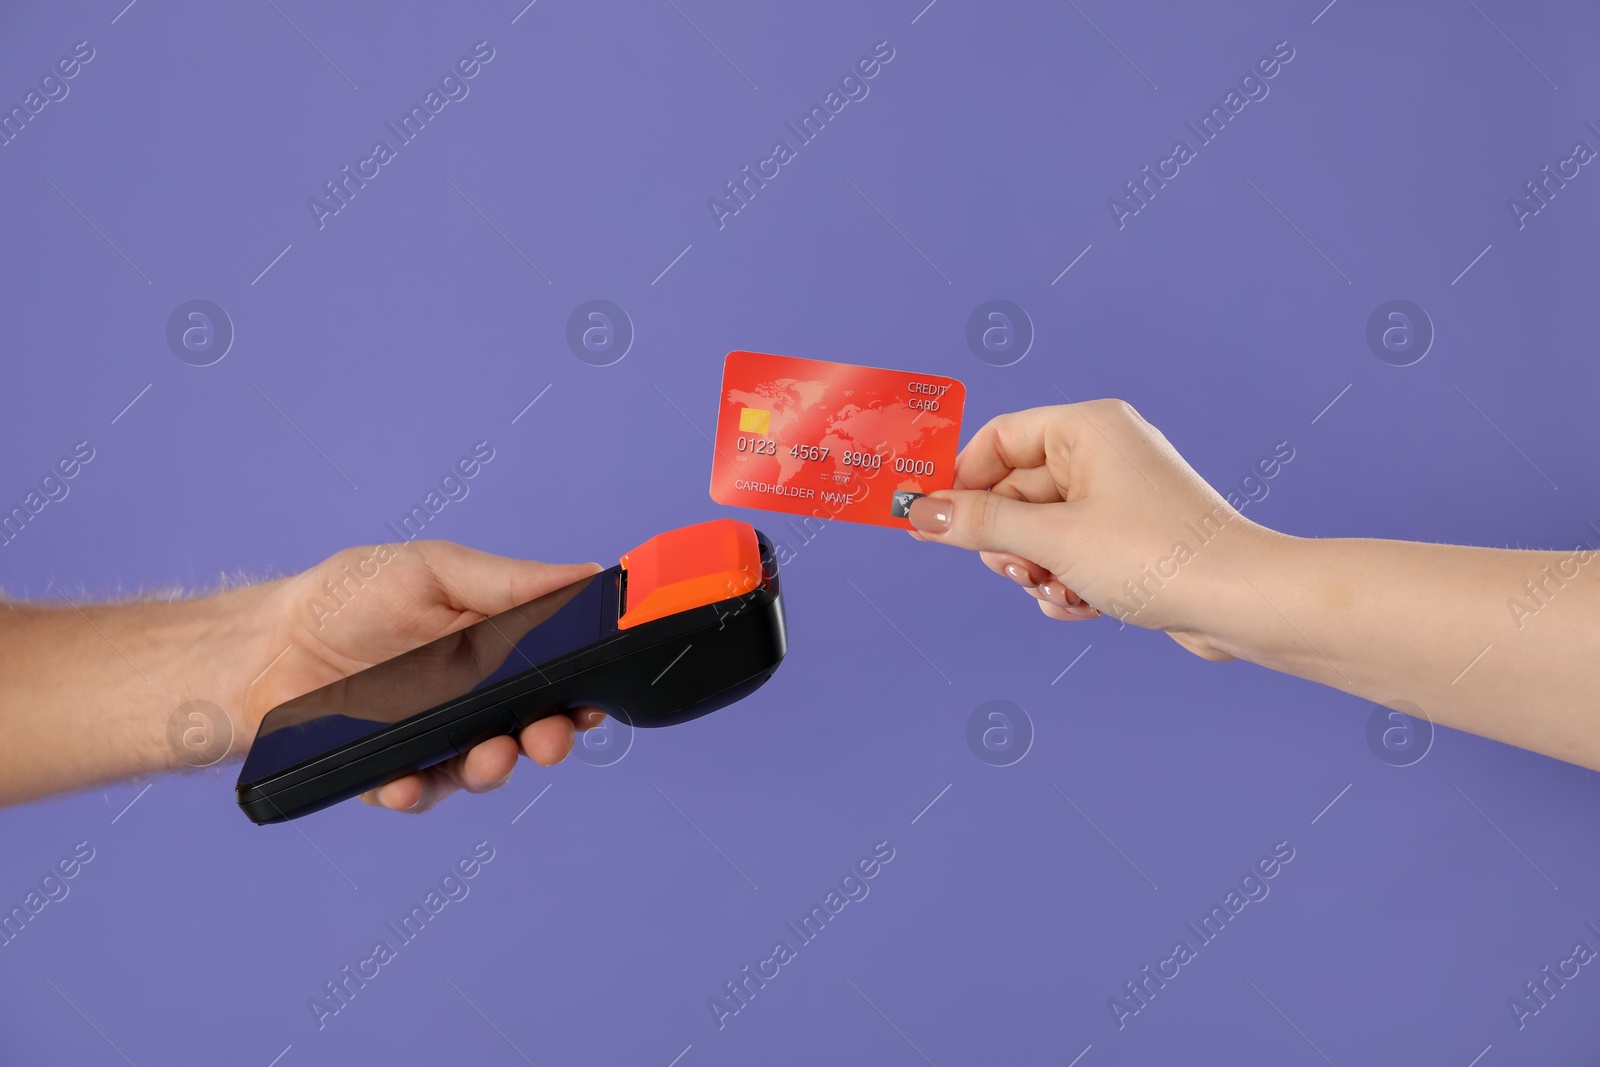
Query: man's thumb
{"points": [[982, 520]]}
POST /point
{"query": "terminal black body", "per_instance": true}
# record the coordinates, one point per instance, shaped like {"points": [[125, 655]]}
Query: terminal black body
{"points": [[559, 652]]}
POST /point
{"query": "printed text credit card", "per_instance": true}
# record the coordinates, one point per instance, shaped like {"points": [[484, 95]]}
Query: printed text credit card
{"points": [[833, 440]]}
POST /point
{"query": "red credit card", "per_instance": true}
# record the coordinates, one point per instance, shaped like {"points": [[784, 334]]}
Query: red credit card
{"points": [[833, 440]]}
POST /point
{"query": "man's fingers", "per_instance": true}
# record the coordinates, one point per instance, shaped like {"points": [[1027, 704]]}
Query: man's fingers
{"points": [[486, 766], [370, 797], [403, 794], [588, 719], [548, 741]]}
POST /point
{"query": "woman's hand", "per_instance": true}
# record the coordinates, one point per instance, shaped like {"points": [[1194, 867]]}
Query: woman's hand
{"points": [[1091, 510]]}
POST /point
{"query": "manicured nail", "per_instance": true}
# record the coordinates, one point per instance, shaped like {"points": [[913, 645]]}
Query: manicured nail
{"points": [[1054, 592], [1082, 611], [930, 514], [1017, 574]]}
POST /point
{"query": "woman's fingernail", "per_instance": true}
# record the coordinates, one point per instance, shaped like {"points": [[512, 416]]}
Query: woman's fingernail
{"points": [[1082, 611], [1017, 574], [930, 514], [1054, 592]]}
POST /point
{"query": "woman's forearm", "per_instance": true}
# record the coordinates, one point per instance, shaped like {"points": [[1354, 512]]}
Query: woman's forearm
{"points": [[1494, 641]]}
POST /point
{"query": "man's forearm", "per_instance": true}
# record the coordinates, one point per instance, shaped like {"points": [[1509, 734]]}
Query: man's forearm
{"points": [[89, 691], [1466, 634]]}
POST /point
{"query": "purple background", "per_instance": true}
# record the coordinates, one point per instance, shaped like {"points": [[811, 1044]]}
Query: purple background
{"points": [[408, 328]]}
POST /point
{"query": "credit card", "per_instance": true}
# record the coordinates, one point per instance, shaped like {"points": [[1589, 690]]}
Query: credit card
{"points": [[833, 440]]}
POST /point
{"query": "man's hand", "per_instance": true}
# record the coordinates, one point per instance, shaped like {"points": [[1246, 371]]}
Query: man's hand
{"points": [[366, 605], [92, 693]]}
